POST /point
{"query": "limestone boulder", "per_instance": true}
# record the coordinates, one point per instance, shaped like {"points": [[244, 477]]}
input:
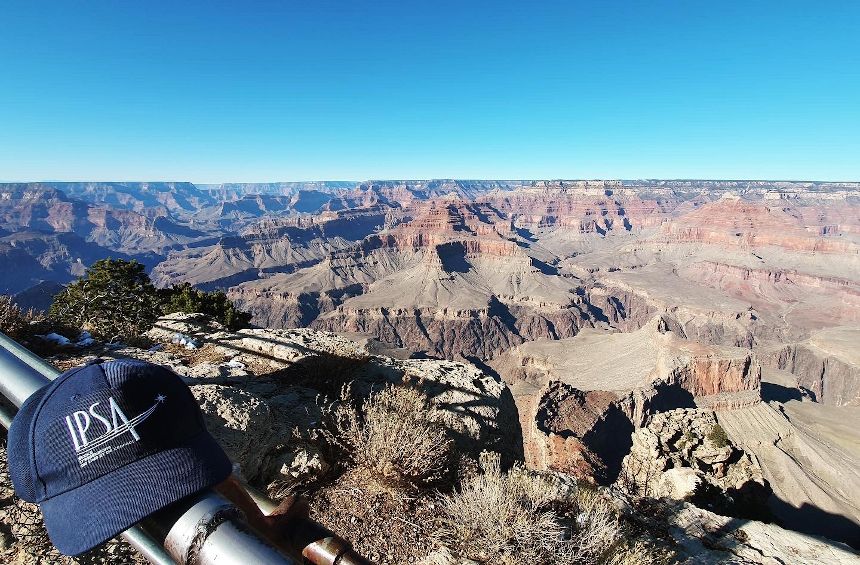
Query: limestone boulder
{"points": [[242, 423], [300, 462], [710, 454], [679, 483], [706, 538]]}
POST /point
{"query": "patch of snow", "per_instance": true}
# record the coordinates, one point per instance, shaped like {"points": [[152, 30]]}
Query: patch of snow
{"points": [[183, 339], [57, 338]]}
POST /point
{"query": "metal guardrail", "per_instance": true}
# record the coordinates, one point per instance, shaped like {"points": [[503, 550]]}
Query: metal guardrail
{"points": [[205, 529]]}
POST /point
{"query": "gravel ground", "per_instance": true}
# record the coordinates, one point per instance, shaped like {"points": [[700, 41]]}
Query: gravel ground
{"points": [[384, 525]]}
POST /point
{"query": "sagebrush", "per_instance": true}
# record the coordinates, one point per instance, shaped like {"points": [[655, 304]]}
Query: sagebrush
{"points": [[527, 517], [502, 518], [396, 434]]}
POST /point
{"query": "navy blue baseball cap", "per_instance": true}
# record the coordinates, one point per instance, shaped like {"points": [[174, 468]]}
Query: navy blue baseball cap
{"points": [[105, 445]]}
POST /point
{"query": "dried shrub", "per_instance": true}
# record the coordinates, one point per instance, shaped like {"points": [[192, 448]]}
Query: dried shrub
{"points": [[596, 529], [639, 553], [397, 435], [502, 518], [20, 325], [524, 517]]}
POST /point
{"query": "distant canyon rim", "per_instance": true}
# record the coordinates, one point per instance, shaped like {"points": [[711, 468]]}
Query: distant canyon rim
{"points": [[597, 303]]}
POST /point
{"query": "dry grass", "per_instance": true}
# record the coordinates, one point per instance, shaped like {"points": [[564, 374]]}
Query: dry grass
{"points": [[523, 517], [596, 528], [397, 435], [639, 553], [18, 324], [502, 518], [193, 357]]}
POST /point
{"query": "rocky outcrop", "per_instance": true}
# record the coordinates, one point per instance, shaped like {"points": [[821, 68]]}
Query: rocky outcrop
{"points": [[808, 461], [242, 424], [267, 417], [684, 455], [630, 307], [707, 538], [455, 334], [577, 432], [580, 398]]}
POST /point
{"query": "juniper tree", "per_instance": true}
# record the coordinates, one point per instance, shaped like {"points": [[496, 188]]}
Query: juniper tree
{"points": [[185, 298], [114, 300]]}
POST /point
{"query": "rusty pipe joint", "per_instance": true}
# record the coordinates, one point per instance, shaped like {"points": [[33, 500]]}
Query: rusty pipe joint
{"points": [[189, 533], [206, 529], [327, 551]]}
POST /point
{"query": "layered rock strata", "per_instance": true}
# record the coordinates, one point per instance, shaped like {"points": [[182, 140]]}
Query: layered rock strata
{"points": [[579, 399], [827, 365]]}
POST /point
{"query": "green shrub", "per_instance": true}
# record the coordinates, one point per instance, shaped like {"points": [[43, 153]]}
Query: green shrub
{"points": [[718, 436], [185, 298], [114, 301]]}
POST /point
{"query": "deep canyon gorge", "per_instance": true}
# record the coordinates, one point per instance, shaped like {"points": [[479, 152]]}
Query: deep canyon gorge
{"points": [[598, 304]]}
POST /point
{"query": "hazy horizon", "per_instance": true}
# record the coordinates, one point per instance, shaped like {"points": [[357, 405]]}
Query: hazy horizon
{"points": [[457, 179]]}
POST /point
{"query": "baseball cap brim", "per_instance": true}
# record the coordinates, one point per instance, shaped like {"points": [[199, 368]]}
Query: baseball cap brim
{"points": [[86, 516]]}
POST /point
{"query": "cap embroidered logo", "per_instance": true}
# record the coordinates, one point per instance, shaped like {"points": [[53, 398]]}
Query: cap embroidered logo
{"points": [[91, 450]]}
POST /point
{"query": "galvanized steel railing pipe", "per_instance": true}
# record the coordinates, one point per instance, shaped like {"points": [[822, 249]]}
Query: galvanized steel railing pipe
{"points": [[202, 530]]}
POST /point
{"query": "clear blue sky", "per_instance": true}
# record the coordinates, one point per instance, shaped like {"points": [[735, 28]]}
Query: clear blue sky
{"points": [[268, 91]]}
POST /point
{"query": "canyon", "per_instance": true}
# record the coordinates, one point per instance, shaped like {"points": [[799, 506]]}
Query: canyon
{"points": [[596, 304]]}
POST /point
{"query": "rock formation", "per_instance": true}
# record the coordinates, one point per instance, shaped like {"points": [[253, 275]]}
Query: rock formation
{"points": [[808, 454], [827, 365], [600, 303], [265, 421], [685, 455], [580, 398]]}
